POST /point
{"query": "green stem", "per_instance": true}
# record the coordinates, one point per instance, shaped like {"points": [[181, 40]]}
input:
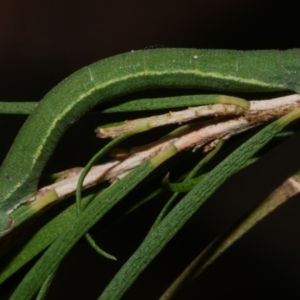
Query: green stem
{"points": [[182, 212], [211, 253]]}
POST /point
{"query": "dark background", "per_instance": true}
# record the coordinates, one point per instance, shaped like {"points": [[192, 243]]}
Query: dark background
{"points": [[41, 42]]}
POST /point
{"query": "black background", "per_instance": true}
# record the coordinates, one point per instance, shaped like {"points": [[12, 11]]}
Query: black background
{"points": [[41, 42]]}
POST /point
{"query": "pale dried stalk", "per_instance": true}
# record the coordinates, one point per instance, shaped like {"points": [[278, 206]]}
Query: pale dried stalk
{"points": [[171, 118], [259, 112]]}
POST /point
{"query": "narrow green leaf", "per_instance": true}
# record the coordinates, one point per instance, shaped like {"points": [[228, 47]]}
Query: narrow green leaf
{"points": [[91, 215], [182, 212]]}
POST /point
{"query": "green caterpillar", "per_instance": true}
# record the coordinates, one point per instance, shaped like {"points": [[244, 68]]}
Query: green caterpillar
{"points": [[216, 70]]}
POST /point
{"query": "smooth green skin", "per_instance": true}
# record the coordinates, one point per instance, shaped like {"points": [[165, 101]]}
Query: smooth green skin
{"points": [[218, 70], [92, 214]]}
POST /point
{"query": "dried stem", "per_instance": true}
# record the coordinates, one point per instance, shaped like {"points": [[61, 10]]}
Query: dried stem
{"points": [[204, 134]]}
